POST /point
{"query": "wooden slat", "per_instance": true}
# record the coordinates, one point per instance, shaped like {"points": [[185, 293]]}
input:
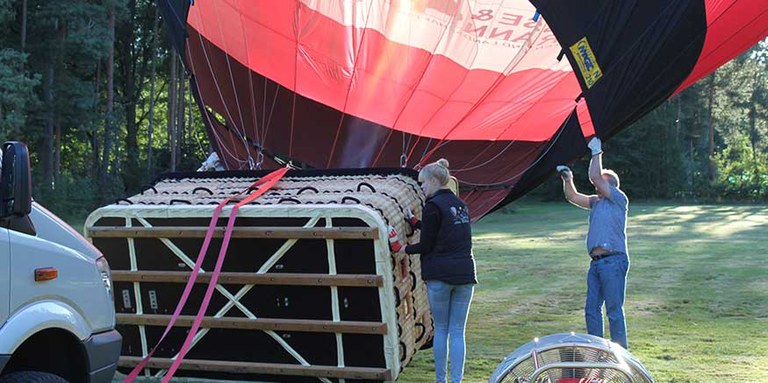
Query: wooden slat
{"points": [[300, 325], [237, 232], [370, 373], [274, 279]]}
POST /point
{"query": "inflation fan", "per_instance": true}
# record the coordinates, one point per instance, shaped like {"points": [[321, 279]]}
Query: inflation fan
{"points": [[570, 358]]}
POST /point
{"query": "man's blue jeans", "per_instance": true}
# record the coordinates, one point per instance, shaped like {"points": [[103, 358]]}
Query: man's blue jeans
{"points": [[450, 309], [606, 283]]}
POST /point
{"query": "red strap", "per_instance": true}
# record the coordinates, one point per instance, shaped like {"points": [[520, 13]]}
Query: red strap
{"points": [[268, 181], [276, 175]]}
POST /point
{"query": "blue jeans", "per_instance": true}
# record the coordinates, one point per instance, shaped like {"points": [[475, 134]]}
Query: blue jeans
{"points": [[606, 283], [450, 309]]}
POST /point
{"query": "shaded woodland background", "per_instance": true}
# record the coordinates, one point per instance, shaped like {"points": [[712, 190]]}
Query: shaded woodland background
{"points": [[104, 104]]}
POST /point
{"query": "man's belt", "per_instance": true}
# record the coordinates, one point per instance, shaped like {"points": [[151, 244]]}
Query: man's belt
{"points": [[597, 257]]}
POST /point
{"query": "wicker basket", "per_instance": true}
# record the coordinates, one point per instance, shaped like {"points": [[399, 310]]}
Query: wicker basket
{"points": [[308, 291]]}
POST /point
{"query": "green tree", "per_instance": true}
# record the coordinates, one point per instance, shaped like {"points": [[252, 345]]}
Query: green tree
{"points": [[742, 172], [16, 93], [16, 85]]}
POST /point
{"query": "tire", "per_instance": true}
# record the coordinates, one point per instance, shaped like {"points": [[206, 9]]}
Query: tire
{"points": [[32, 377]]}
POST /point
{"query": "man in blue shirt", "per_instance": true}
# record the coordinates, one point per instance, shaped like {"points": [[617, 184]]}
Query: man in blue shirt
{"points": [[606, 245]]}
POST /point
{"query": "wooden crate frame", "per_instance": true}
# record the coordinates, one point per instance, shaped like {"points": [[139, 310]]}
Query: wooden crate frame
{"points": [[383, 280]]}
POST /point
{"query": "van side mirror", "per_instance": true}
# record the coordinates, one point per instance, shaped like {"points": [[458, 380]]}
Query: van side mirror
{"points": [[15, 181]]}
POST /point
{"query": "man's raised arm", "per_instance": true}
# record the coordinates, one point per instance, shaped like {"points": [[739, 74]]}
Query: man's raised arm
{"points": [[569, 189], [596, 168]]}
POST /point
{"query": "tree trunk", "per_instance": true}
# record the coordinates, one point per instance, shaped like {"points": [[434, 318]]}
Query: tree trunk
{"points": [[93, 137], [131, 173], [190, 105], [46, 154], [109, 120], [22, 43], [23, 25], [711, 129], [172, 101], [57, 154], [152, 80], [181, 113], [754, 134]]}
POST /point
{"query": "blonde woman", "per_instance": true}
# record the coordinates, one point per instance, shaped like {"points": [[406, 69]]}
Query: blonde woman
{"points": [[447, 267]]}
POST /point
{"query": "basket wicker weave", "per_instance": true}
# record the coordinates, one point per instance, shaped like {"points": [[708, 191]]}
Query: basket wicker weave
{"points": [[298, 202]]}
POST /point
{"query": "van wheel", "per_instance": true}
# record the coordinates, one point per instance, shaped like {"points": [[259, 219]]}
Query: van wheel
{"points": [[31, 377]]}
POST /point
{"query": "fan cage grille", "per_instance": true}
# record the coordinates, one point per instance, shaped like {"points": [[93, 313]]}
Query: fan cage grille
{"points": [[591, 360]]}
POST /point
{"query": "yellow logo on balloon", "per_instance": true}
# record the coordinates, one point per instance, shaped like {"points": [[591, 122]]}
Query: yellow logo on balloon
{"points": [[585, 58]]}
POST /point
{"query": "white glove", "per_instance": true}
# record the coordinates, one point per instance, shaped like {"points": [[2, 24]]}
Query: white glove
{"points": [[211, 163], [563, 168], [595, 145], [411, 218]]}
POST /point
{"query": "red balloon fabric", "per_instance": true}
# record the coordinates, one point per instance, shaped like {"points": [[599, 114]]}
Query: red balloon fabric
{"points": [[504, 89]]}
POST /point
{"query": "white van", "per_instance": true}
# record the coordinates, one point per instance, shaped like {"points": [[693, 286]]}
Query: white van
{"points": [[57, 317]]}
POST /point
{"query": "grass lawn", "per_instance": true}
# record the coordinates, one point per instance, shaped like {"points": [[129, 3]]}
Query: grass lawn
{"points": [[697, 294]]}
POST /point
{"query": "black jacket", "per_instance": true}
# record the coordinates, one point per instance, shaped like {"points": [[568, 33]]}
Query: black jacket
{"points": [[446, 240]]}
